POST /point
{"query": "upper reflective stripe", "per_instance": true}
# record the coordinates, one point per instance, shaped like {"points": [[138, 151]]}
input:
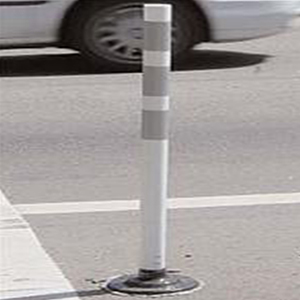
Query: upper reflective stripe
{"points": [[157, 58], [157, 36], [157, 12], [23, 3]]}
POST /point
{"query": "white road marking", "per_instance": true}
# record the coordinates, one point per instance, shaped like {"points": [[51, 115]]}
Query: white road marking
{"points": [[175, 203], [26, 269]]}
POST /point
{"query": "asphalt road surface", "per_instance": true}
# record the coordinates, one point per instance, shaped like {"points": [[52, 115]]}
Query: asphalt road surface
{"points": [[72, 134]]}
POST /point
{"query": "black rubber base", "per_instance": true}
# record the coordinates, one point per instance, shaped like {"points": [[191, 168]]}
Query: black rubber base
{"points": [[152, 283]]}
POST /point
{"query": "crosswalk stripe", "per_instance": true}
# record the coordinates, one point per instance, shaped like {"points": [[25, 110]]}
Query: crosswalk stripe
{"points": [[26, 269]]}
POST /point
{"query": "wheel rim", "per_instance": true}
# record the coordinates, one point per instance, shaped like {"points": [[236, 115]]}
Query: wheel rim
{"points": [[116, 33]]}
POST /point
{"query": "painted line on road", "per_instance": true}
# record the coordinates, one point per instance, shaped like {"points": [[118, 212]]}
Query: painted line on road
{"points": [[26, 269], [175, 203]]}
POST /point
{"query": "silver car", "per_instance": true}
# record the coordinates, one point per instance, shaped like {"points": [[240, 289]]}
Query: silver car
{"points": [[110, 31]]}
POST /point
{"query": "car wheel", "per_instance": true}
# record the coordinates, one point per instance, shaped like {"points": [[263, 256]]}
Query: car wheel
{"points": [[110, 32]]}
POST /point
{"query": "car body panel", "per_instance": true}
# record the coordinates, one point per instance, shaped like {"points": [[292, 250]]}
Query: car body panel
{"points": [[34, 23], [19, 19], [234, 20], [37, 22]]}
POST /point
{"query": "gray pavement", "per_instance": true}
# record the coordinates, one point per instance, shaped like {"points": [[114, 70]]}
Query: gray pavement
{"points": [[235, 127], [240, 253]]}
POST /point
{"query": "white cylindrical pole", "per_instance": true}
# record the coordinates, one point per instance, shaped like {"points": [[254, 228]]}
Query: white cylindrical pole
{"points": [[152, 277], [155, 115]]}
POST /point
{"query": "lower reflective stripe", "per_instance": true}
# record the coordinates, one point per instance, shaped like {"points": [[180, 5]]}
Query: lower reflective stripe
{"points": [[155, 125], [156, 103], [155, 81]]}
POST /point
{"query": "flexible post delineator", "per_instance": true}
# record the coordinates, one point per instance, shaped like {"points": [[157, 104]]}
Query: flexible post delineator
{"points": [[155, 128], [152, 277]]}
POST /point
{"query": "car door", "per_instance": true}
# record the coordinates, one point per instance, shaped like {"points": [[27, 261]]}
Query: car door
{"points": [[19, 19]]}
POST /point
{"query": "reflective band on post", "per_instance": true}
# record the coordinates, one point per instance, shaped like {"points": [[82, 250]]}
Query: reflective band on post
{"points": [[157, 58], [156, 81], [155, 125], [157, 13], [156, 103], [157, 36]]}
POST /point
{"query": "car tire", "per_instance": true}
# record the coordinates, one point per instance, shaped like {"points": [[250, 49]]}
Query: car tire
{"points": [[110, 32]]}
